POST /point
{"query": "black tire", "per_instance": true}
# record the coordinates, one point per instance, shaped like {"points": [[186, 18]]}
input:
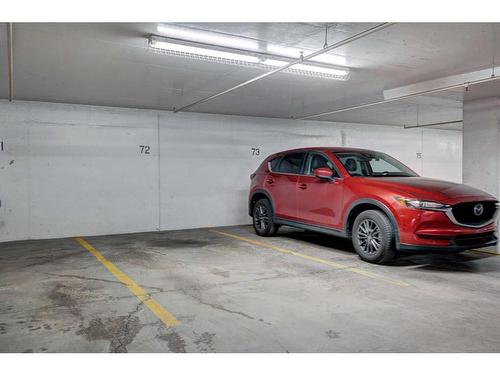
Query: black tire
{"points": [[263, 216], [372, 235]]}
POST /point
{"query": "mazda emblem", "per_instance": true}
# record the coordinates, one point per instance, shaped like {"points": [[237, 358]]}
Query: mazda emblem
{"points": [[478, 209]]}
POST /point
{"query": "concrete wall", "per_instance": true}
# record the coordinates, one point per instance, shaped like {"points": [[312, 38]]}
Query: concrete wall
{"points": [[481, 147], [78, 170], [481, 144]]}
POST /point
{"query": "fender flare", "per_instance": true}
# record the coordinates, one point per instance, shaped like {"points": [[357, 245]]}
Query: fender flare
{"points": [[260, 191], [382, 207]]}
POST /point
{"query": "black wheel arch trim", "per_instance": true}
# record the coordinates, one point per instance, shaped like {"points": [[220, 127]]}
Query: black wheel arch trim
{"points": [[260, 191], [382, 207]]}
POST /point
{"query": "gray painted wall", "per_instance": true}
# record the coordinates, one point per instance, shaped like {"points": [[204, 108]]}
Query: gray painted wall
{"points": [[71, 170], [481, 148]]}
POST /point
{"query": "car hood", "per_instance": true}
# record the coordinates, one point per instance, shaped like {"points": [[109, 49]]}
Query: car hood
{"points": [[429, 188]]}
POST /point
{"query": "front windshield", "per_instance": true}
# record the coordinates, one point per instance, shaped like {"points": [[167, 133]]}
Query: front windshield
{"points": [[373, 164]]}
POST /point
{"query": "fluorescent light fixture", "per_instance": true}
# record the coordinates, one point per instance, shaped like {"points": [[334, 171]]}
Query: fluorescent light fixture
{"points": [[209, 37], [243, 43], [330, 59], [231, 56], [294, 53], [276, 63], [312, 70], [320, 69], [199, 53]]}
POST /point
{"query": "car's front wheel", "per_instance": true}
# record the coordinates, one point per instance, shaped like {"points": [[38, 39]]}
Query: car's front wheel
{"points": [[372, 237], [263, 222]]}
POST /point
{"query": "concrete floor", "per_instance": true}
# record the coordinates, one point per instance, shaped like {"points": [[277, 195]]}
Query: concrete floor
{"points": [[234, 296]]}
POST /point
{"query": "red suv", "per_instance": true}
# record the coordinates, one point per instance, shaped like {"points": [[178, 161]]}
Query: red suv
{"points": [[371, 198]]}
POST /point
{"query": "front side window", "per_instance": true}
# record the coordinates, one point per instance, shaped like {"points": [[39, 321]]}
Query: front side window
{"points": [[291, 163], [373, 164], [273, 164], [316, 161]]}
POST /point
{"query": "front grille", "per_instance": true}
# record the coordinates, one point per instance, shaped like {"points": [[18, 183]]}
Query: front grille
{"points": [[469, 213], [474, 239]]}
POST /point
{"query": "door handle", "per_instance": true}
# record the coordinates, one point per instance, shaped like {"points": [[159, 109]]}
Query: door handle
{"points": [[303, 186], [270, 181]]}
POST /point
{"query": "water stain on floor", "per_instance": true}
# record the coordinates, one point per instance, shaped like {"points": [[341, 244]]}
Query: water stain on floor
{"points": [[63, 296], [175, 342], [220, 272], [332, 334], [120, 331], [205, 342]]}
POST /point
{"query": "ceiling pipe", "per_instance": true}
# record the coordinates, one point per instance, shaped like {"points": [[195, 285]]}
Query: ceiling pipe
{"points": [[397, 98], [10, 58], [433, 124], [298, 61]]}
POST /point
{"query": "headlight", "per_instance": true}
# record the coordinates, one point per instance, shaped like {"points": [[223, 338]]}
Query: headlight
{"points": [[422, 205]]}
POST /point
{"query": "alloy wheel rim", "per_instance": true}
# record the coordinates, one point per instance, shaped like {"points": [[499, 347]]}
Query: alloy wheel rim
{"points": [[369, 236], [261, 217]]}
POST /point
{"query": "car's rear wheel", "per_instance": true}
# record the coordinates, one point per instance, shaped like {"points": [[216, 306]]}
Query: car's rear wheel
{"points": [[263, 218], [372, 237]]}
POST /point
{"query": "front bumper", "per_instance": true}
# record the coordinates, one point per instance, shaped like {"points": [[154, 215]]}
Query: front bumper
{"points": [[457, 243], [434, 231]]}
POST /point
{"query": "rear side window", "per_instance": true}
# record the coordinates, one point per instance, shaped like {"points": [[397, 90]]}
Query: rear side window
{"points": [[291, 163], [273, 164]]}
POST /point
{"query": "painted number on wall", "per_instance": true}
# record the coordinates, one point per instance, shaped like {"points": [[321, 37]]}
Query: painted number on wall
{"points": [[419, 155], [1, 145], [145, 149], [255, 151]]}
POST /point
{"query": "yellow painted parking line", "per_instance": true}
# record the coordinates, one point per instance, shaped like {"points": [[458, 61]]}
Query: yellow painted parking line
{"points": [[163, 314], [335, 265], [485, 252]]}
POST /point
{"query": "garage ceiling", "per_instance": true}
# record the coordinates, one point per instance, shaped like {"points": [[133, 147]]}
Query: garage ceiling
{"points": [[111, 65]]}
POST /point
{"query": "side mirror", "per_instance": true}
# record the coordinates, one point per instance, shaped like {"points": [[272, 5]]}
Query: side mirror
{"points": [[324, 173]]}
